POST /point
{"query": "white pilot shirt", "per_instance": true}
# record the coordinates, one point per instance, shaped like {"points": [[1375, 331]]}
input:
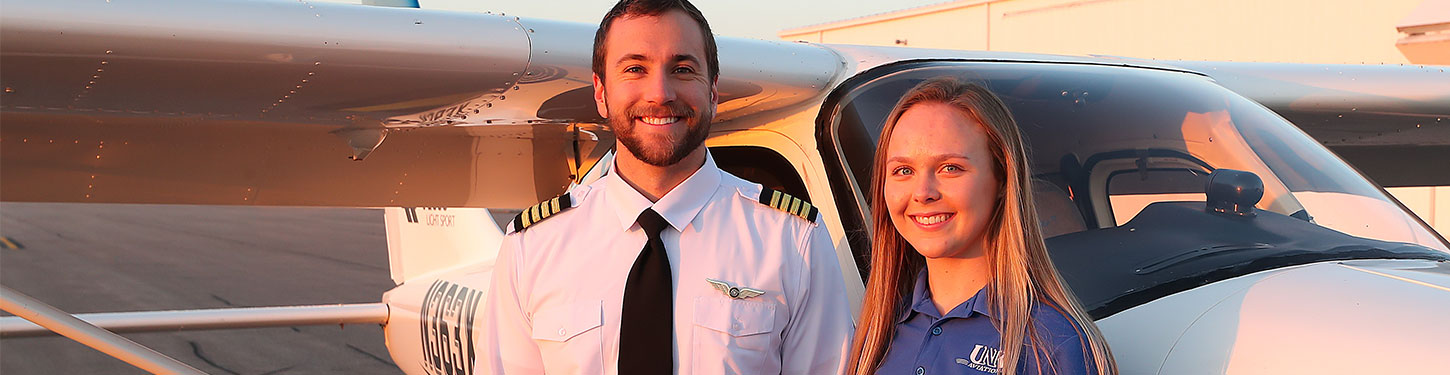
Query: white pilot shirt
{"points": [[558, 286]]}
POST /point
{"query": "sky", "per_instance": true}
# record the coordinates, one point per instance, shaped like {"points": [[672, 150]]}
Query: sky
{"points": [[760, 19]]}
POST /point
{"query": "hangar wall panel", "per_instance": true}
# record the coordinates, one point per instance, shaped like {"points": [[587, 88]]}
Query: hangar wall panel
{"points": [[962, 28], [1302, 31], [1278, 31]]}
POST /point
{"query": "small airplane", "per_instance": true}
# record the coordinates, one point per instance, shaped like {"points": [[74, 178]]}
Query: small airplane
{"points": [[1204, 231]]}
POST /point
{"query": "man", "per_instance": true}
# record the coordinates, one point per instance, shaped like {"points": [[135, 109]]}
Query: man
{"points": [[667, 264]]}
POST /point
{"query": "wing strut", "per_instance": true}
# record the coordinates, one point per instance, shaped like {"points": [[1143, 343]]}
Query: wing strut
{"points": [[105, 341], [203, 319]]}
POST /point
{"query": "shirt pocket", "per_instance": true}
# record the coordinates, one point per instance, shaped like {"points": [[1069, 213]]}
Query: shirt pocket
{"points": [[733, 336], [569, 339]]}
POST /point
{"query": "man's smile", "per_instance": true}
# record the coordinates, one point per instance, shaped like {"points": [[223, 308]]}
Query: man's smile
{"points": [[658, 120]]}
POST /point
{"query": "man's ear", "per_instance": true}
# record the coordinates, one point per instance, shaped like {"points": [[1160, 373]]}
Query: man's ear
{"points": [[599, 103], [714, 94]]}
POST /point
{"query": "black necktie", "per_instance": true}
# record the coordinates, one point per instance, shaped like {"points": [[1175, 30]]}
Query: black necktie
{"points": [[647, 320]]}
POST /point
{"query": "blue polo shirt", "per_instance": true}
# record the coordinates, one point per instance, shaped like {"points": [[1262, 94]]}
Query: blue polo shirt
{"points": [[964, 341]]}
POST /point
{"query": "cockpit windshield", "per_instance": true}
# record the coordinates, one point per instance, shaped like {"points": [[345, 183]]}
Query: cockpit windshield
{"points": [[1106, 142]]}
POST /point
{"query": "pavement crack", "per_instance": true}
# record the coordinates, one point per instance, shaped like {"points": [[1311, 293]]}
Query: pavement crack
{"points": [[196, 350], [224, 300], [279, 370], [366, 353]]}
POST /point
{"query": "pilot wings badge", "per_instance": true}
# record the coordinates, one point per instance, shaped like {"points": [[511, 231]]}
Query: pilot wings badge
{"points": [[734, 292]]}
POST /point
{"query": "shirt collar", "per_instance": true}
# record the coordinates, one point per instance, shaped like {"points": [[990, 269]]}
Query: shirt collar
{"points": [[679, 206], [921, 303]]}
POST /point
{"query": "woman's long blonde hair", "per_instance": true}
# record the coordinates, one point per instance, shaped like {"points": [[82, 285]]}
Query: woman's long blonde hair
{"points": [[1021, 271]]}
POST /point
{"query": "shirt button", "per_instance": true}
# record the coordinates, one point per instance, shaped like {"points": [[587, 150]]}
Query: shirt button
{"points": [[936, 331], [920, 370], [561, 331]]}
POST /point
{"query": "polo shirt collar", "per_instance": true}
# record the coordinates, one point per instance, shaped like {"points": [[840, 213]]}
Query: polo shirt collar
{"points": [[679, 206], [921, 303]]}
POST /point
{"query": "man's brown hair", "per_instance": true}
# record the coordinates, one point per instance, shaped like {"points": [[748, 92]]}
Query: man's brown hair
{"points": [[635, 8]]}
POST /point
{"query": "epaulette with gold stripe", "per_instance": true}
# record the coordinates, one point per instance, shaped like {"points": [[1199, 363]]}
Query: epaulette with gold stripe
{"points": [[792, 205], [539, 212]]}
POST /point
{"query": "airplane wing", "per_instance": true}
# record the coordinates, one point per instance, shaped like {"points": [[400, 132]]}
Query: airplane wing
{"points": [[1392, 122], [295, 103], [286, 103]]}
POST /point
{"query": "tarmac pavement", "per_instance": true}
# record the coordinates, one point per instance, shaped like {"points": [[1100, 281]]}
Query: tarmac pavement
{"points": [[122, 257]]}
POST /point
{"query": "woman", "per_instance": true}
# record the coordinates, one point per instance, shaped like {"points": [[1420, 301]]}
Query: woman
{"points": [[960, 278]]}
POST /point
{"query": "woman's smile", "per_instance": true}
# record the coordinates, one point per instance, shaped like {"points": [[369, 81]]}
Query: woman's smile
{"points": [[930, 221]]}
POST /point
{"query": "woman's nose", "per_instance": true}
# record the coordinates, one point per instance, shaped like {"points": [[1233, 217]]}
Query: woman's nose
{"points": [[926, 190]]}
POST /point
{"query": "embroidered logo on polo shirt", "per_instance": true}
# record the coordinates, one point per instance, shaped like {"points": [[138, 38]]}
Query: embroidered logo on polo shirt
{"points": [[983, 358]]}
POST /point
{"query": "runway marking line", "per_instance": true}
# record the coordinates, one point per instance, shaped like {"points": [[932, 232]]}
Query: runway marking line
{"points": [[7, 243]]}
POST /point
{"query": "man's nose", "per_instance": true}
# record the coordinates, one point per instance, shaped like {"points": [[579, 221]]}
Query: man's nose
{"points": [[657, 89]]}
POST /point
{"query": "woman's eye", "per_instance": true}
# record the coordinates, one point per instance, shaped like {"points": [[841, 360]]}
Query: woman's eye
{"points": [[951, 168], [901, 171]]}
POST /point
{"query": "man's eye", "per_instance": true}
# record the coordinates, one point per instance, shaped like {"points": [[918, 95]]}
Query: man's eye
{"points": [[634, 69], [684, 70]]}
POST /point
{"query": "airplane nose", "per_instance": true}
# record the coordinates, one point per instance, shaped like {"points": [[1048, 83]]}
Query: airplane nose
{"points": [[1276, 324]]}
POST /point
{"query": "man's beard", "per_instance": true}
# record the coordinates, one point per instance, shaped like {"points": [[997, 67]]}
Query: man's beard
{"points": [[661, 151]]}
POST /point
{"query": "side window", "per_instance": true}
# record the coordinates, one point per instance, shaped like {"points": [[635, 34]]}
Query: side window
{"points": [[1129, 191], [1121, 184], [761, 166]]}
